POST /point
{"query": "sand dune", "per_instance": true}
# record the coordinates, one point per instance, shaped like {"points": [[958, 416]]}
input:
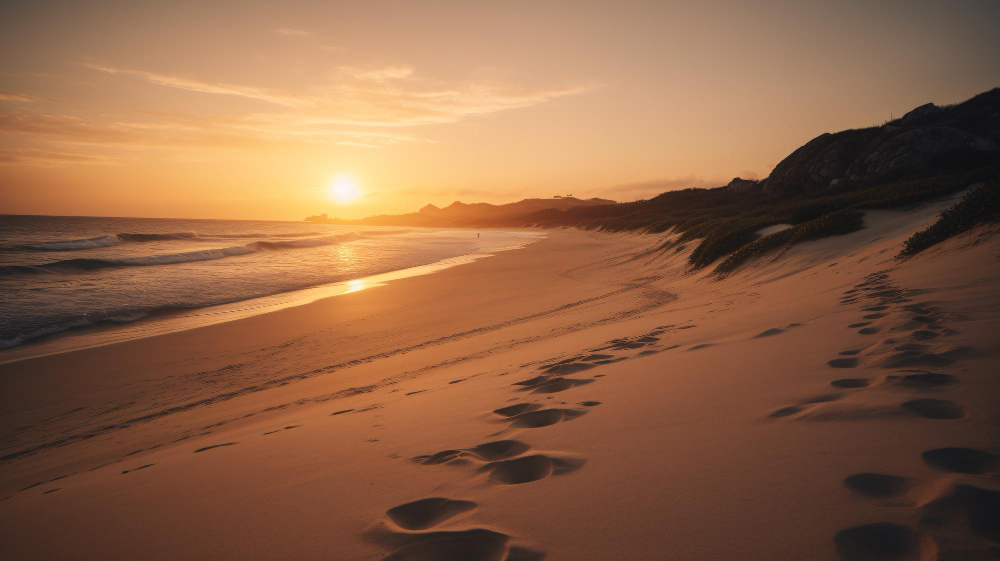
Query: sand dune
{"points": [[583, 398]]}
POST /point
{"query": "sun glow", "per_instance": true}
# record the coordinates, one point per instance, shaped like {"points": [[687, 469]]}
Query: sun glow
{"points": [[344, 190]]}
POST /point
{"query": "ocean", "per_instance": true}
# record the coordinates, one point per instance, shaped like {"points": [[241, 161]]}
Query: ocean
{"points": [[64, 274]]}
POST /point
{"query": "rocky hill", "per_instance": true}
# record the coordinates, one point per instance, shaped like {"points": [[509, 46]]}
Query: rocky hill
{"points": [[927, 138]]}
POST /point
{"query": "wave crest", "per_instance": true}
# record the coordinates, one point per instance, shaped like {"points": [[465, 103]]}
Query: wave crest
{"points": [[93, 264], [71, 245]]}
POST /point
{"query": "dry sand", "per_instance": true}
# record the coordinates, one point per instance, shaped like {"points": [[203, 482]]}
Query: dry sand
{"points": [[585, 398]]}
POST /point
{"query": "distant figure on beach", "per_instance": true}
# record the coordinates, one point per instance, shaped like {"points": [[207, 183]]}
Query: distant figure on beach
{"points": [[477, 235]]}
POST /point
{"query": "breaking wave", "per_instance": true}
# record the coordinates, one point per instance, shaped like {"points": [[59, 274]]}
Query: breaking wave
{"points": [[92, 264]]}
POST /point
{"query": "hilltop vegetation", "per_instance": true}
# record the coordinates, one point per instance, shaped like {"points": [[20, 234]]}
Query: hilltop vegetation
{"points": [[981, 205]]}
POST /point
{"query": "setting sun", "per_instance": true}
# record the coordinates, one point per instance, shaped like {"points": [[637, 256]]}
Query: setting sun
{"points": [[344, 190]]}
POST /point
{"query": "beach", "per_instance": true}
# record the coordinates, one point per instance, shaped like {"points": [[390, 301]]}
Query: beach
{"points": [[587, 396]]}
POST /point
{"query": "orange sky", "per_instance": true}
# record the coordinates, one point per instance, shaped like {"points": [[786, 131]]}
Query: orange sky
{"points": [[251, 109]]}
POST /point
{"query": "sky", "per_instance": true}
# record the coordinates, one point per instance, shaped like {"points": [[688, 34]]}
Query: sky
{"points": [[267, 110]]}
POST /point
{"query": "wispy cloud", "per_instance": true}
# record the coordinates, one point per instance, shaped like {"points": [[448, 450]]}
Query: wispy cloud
{"points": [[181, 131], [372, 97], [20, 98], [356, 144], [294, 32], [376, 74], [36, 157], [195, 85]]}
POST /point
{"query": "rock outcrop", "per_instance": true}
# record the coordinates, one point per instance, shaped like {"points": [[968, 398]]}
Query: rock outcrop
{"points": [[926, 138]]}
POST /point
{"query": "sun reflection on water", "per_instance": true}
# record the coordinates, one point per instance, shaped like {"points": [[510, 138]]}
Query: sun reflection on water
{"points": [[355, 285]]}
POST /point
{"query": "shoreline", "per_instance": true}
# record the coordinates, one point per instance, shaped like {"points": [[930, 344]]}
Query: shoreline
{"points": [[109, 333], [585, 398]]}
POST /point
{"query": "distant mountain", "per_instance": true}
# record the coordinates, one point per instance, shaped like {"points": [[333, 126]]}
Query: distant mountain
{"points": [[460, 214]]}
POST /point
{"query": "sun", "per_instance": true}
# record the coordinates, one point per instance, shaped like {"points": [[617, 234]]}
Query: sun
{"points": [[344, 190]]}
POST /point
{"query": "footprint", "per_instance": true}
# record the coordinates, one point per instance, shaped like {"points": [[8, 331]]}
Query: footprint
{"points": [[881, 541], [851, 383], [916, 358], [851, 352], [935, 408], [341, 412], [860, 324], [823, 398], [215, 446], [868, 331], [786, 411], [911, 347], [962, 460], [770, 332], [843, 362], [627, 345], [701, 346], [928, 379], [556, 385], [517, 409], [530, 468], [441, 457], [138, 468], [489, 451], [612, 360], [425, 513], [877, 485], [590, 403], [499, 449], [557, 363], [532, 381], [517, 553], [966, 505], [544, 418], [571, 368], [467, 545]]}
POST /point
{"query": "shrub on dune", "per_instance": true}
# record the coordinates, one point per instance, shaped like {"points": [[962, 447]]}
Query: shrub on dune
{"points": [[981, 205]]}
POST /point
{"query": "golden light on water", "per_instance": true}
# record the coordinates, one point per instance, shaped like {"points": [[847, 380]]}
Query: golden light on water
{"points": [[355, 285]]}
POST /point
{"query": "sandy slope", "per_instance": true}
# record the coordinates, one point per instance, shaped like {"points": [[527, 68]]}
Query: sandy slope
{"points": [[584, 398]]}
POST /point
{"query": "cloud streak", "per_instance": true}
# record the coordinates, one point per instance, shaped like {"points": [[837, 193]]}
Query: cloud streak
{"points": [[377, 74], [45, 158], [20, 98], [294, 32], [371, 97], [195, 85], [180, 131]]}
